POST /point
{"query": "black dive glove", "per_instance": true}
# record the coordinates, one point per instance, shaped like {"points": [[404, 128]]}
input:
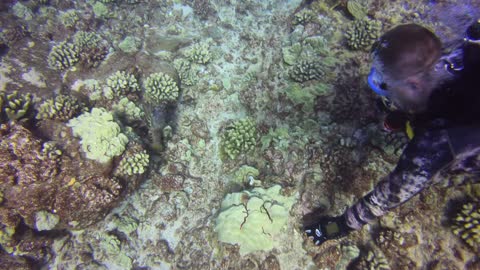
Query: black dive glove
{"points": [[327, 228]]}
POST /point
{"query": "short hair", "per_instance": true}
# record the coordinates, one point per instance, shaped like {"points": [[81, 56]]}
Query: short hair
{"points": [[406, 50]]}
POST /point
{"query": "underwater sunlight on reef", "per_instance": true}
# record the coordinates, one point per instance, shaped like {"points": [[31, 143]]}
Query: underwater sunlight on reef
{"points": [[239, 134]]}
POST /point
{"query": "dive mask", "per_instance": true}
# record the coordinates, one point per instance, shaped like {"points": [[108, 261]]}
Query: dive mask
{"points": [[473, 33], [376, 83]]}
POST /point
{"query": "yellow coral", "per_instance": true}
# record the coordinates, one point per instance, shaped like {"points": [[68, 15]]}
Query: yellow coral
{"points": [[466, 224]]}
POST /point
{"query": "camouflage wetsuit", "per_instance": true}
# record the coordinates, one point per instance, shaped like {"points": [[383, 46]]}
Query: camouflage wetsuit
{"points": [[448, 145]]}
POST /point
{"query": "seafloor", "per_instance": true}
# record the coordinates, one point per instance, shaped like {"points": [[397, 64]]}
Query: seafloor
{"points": [[258, 116]]}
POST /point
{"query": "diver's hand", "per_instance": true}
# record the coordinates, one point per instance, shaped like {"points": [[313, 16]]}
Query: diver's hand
{"points": [[327, 228]]}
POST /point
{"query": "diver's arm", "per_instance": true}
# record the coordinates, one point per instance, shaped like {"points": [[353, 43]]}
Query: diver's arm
{"points": [[424, 156]]}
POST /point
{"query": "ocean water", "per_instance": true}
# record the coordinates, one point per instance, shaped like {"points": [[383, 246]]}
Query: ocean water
{"points": [[196, 134]]}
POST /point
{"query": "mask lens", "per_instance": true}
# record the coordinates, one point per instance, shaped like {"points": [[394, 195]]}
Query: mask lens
{"points": [[376, 83]]}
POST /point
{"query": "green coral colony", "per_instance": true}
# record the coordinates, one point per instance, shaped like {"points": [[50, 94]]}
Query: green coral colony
{"points": [[239, 138], [467, 224]]}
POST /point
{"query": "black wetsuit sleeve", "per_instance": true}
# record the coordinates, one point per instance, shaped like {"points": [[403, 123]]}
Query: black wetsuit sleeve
{"points": [[426, 155]]}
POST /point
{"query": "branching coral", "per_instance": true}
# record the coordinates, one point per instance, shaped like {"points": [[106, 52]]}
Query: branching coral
{"points": [[134, 164], [239, 138], [63, 56], [69, 18], [60, 108], [304, 17], [362, 33], [307, 70], [373, 259], [467, 224], [120, 84], [160, 87], [128, 110], [83, 40], [185, 72], [17, 106], [91, 48], [199, 53]]}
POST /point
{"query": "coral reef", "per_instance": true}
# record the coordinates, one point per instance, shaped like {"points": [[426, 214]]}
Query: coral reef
{"points": [[100, 135], [92, 49], [199, 53], [160, 87], [185, 71], [84, 40], [69, 18], [17, 105], [61, 108], [130, 44], [306, 95], [128, 110], [303, 17], [135, 163], [372, 259], [356, 9], [120, 84], [307, 70], [395, 245], [253, 219], [362, 33], [63, 56], [466, 224], [246, 176], [45, 190], [240, 137], [312, 128]]}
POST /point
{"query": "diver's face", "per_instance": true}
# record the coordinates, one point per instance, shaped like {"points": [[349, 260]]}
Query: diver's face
{"points": [[409, 94]]}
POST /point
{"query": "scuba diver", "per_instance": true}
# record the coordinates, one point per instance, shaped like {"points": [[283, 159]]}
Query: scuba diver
{"points": [[437, 99]]}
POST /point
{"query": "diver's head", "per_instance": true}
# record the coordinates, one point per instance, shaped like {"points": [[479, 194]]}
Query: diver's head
{"points": [[405, 67]]}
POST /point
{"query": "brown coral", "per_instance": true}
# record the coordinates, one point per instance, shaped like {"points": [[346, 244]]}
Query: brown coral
{"points": [[66, 185]]}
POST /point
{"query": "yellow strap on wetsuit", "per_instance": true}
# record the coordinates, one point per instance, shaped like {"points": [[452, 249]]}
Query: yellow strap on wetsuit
{"points": [[409, 130]]}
